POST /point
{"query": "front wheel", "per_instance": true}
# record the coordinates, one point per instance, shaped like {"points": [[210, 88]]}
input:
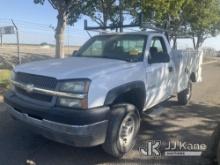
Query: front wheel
{"points": [[218, 153], [122, 130], [184, 96]]}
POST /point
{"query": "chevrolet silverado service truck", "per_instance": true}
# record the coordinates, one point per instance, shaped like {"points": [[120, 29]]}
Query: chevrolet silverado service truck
{"points": [[96, 97]]}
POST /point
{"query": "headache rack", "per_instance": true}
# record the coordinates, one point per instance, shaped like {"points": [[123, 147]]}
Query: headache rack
{"points": [[144, 26], [140, 24]]}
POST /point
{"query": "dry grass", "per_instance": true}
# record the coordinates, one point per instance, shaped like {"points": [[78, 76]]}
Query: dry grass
{"points": [[4, 75], [8, 53], [4, 79]]}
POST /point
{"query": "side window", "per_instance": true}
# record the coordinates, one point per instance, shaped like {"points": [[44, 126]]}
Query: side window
{"points": [[158, 51], [96, 49], [131, 47], [158, 43]]}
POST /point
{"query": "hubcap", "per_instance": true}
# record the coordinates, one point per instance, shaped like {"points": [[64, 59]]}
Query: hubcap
{"points": [[127, 131], [188, 95]]}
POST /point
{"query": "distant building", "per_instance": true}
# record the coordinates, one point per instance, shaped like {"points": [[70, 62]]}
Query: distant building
{"points": [[44, 45]]}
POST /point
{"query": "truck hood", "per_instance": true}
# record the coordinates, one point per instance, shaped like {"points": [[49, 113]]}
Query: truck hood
{"points": [[73, 67]]}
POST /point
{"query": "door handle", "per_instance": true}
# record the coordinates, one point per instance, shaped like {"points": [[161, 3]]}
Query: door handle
{"points": [[170, 68]]}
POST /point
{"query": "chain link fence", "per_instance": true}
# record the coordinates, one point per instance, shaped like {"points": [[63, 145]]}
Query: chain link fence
{"points": [[210, 52], [37, 42], [28, 53]]}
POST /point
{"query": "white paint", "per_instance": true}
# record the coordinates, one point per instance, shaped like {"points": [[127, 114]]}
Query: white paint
{"points": [[106, 74]]}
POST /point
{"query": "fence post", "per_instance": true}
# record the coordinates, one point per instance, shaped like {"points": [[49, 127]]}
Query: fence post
{"points": [[18, 43]]}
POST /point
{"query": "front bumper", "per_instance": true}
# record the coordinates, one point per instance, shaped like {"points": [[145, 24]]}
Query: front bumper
{"points": [[87, 133]]}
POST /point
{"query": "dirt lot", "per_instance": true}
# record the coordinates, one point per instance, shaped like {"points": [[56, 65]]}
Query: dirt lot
{"points": [[193, 124], [30, 52]]}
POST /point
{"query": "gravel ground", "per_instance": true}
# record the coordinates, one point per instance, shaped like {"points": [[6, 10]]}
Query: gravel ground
{"points": [[192, 124]]}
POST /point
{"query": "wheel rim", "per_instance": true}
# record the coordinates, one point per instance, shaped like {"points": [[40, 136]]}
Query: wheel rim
{"points": [[188, 95], [127, 131]]}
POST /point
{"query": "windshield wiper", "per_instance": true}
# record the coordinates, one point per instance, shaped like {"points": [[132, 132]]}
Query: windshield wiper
{"points": [[107, 57]]}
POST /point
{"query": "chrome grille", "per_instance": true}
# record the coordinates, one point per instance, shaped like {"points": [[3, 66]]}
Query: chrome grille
{"points": [[37, 81], [35, 96]]}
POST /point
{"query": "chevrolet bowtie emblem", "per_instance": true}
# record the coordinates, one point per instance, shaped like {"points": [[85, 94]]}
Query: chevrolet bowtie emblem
{"points": [[29, 88]]}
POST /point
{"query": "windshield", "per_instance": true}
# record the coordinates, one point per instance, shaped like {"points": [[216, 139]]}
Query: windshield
{"points": [[123, 47]]}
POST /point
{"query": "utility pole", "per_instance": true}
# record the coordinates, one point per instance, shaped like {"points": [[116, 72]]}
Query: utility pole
{"points": [[54, 30], [68, 39], [121, 14], [1, 40], [18, 43]]}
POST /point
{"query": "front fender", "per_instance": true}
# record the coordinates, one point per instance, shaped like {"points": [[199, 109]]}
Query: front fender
{"points": [[115, 92]]}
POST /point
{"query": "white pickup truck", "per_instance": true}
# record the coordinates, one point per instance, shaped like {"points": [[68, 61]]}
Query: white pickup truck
{"points": [[98, 95]]}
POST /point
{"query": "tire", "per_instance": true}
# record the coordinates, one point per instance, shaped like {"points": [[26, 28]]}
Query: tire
{"points": [[185, 95], [124, 124], [218, 153]]}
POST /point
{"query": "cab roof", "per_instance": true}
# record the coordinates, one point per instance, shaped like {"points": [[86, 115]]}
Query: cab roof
{"points": [[133, 33]]}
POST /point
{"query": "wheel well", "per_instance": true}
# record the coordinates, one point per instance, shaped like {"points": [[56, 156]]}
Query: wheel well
{"points": [[134, 96], [193, 77]]}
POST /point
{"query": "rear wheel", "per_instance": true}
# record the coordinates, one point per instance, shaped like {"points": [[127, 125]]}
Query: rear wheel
{"points": [[184, 96], [122, 130]]}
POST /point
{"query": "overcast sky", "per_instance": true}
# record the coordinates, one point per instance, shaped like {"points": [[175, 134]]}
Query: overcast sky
{"points": [[35, 22]]}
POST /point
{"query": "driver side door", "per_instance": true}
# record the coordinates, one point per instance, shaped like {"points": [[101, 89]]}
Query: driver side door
{"points": [[157, 72]]}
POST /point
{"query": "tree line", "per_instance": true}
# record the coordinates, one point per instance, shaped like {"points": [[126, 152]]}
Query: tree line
{"points": [[198, 19]]}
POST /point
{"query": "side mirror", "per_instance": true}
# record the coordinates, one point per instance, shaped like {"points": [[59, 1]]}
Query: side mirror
{"points": [[75, 52], [150, 60], [166, 58], [159, 58]]}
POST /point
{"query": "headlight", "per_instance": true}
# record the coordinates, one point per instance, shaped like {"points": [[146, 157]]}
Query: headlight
{"points": [[73, 103], [76, 87], [68, 102]]}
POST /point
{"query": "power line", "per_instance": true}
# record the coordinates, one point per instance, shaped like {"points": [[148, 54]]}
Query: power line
{"points": [[25, 21], [31, 28], [29, 23]]}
